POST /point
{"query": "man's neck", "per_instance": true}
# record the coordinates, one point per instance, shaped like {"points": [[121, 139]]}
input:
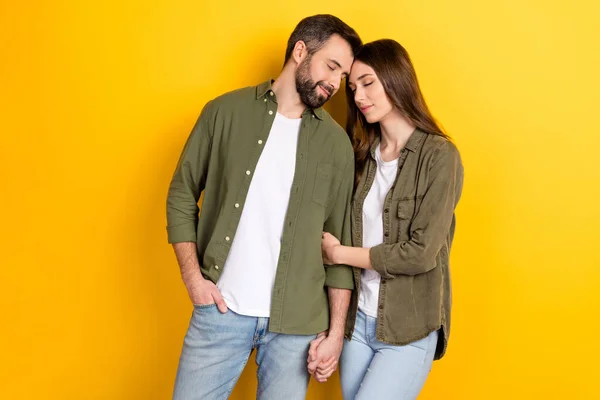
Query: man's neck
{"points": [[288, 99]]}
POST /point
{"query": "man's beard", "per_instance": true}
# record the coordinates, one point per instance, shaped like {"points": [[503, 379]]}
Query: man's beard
{"points": [[308, 89]]}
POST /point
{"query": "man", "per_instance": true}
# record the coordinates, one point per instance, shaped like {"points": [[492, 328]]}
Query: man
{"points": [[276, 171]]}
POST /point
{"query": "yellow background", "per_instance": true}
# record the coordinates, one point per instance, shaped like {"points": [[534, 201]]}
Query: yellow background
{"points": [[97, 99]]}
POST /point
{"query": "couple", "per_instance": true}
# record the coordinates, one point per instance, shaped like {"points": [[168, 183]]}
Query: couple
{"points": [[291, 205]]}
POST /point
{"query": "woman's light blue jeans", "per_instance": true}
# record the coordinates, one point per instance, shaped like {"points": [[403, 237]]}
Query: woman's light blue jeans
{"points": [[370, 369]]}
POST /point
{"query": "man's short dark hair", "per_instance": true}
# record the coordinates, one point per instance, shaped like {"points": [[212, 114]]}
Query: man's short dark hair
{"points": [[315, 31]]}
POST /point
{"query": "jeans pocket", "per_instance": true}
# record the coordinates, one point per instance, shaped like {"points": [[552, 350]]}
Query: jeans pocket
{"points": [[425, 343], [204, 306]]}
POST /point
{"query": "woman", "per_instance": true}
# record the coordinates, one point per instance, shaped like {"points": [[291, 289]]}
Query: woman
{"points": [[408, 181]]}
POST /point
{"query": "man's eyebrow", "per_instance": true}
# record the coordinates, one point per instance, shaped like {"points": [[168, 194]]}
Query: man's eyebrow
{"points": [[346, 74], [335, 62]]}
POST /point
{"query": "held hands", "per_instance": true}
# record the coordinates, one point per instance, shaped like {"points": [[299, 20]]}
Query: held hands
{"points": [[323, 356]]}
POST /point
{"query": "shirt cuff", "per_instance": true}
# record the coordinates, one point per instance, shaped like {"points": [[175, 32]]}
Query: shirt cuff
{"points": [[339, 277], [377, 257], [182, 233]]}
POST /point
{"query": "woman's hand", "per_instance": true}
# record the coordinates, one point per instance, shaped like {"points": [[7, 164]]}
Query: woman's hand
{"points": [[329, 243]]}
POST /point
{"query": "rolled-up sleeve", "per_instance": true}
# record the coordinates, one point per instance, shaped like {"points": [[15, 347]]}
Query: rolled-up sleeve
{"points": [[338, 224]]}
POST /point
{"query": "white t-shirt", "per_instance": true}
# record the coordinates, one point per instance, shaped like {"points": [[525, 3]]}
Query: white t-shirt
{"points": [[373, 230], [247, 279]]}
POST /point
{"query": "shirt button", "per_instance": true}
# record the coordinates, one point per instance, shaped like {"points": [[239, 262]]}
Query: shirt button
{"points": [[386, 234], [216, 267], [271, 93], [260, 142], [270, 112], [237, 205], [313, 115], [227, 238], [247, 172]]}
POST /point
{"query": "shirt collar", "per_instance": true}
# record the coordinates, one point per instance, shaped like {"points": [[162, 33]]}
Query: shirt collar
{"points": [[413, 141]]}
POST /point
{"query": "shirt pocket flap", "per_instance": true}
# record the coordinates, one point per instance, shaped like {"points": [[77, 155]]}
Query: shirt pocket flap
{"points": [[405, 209]]}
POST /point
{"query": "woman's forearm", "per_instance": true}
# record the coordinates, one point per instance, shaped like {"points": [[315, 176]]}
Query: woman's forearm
{"points": [[353, 256]]}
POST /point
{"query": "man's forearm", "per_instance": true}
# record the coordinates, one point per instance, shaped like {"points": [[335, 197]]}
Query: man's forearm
{"points": [[187, 257], [339, 302]]}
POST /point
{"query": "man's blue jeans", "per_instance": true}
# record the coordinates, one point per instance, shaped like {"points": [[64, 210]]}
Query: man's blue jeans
{"points": [[216, 349]]}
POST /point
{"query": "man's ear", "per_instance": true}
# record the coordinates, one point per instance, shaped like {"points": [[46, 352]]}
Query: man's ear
{"points": [[300, 51]]}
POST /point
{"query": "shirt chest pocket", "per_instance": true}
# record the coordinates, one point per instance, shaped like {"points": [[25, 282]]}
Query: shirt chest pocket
{"points": [[323, 181], [406, 209]]}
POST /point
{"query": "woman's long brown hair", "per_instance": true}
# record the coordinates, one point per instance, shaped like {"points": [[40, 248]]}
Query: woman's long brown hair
{"points": [[393, 67]]}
